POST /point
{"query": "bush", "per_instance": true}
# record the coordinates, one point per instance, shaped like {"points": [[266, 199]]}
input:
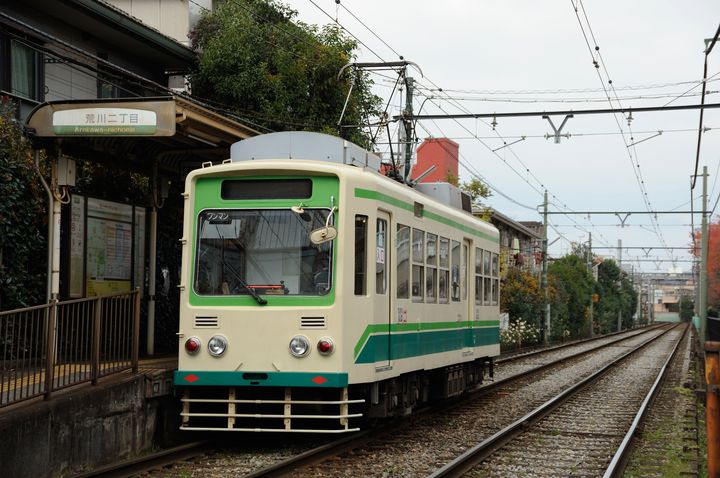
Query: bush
{"points": [[518, 334]]}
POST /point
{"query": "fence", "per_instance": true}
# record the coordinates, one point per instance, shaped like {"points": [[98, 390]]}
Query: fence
{"points": [[53, 346]]}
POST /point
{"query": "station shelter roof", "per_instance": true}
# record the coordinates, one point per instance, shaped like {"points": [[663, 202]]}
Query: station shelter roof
{"points": [[133, 133]]}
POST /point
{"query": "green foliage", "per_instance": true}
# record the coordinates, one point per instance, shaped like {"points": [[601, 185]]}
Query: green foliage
{"points": [[617, 296], [687, 306], [477, 190], [520, 296], [572, 286], [23, 219], [519, 333], [280, 73]]}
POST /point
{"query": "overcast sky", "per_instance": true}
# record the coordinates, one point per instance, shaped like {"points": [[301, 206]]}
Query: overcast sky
{"points": [[530, 55]]}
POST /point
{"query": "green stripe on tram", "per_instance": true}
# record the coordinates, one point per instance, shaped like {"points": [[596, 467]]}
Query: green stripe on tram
{"points": [[393, 201], [416, 339]]}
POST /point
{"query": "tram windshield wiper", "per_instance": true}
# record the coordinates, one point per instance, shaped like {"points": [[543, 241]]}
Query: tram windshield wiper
{"points": [[244, 284]]}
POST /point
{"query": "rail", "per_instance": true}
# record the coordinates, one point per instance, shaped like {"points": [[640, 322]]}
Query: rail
{"points": [[53, 346]]}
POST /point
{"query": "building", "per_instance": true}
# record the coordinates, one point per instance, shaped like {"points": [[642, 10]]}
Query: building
{"points": [[520, 246], [520, 242], [95, 83]]}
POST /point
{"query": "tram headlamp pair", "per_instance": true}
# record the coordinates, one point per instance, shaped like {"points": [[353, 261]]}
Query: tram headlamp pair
{"points": [[217, 345], [300, 346]]}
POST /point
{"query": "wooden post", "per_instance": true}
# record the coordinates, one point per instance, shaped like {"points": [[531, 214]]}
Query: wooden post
{"points": [[712, 407]]}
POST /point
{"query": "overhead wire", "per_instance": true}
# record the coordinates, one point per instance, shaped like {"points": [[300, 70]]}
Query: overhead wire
{"points": [[462, 126], [598, 63]]}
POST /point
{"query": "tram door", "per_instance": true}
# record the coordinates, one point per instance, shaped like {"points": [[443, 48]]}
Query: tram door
{"points": [[381, 314]]}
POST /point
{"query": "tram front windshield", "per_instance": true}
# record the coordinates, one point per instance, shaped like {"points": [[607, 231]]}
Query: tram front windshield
{"points": [[261, 252]]}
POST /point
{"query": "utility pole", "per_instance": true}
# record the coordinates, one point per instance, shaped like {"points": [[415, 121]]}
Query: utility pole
{"points": [[544, 271], [619, 323], [702, 308], [590, 264], [408, 125]]}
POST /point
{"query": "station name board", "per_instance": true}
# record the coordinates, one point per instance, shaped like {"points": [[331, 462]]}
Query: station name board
{"points": [[104, 122]]}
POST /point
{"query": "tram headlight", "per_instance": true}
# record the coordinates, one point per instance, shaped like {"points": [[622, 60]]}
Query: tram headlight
{"points": [[299, 346], [192, 345], [217, 345]]}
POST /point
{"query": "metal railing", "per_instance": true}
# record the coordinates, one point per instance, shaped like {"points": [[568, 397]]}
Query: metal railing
{"points": [[53, 346]]}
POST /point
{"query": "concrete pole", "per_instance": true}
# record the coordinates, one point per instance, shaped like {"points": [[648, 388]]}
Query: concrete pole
{"points": [[590, 265], [702, 308], [544, 271], [619, 322]]}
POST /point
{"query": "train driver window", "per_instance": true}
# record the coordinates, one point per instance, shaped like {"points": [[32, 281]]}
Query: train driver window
{"points": [[321, 274]]}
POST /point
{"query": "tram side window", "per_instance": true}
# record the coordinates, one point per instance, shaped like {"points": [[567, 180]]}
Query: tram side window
{"points": [[431, 268], [496, 279], [444, 269], [455, 275], [380, 257], [487, 288], [403, 261], [478, 275], [361, 254], [418, 267]]}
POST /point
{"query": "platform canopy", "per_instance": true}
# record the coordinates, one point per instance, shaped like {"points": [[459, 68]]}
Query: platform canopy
{"points": [[132, 133]]}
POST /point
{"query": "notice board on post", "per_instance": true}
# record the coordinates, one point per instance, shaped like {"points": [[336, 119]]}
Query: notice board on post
{"points": [[107, 247]]}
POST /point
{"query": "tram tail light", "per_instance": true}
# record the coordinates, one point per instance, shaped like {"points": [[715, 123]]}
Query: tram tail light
{"points": [[325, 346], [192, 345]]}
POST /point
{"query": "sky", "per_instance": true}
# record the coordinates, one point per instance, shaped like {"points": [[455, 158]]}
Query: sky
{"points": [[533, 55]]}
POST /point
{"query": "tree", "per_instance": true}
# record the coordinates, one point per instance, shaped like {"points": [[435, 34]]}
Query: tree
{"points": [[713, 263], [23, 219], [521, 297], [687, 306], [477, 190], [572, 287], [278, 73], [617, 296]]}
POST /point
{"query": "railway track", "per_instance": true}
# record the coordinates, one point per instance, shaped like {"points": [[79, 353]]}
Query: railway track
{"points": [[576, 432], [425, 443]]}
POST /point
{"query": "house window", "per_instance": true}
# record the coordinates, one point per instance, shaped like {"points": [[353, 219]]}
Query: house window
{"points": [[25, 71]]}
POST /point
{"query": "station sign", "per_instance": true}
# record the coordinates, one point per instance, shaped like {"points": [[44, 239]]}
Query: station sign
{"points": [[104, 121], [156, 117]]}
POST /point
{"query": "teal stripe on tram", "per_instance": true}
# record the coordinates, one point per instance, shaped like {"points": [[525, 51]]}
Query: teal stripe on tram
{"points": [[414, 344]]}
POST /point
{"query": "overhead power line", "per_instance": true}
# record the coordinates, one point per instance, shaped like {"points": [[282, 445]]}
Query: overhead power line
{"points": [[642, 109]]}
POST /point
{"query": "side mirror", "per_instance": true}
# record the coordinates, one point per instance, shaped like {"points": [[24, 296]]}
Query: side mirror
{"points": [[323, 234]]}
